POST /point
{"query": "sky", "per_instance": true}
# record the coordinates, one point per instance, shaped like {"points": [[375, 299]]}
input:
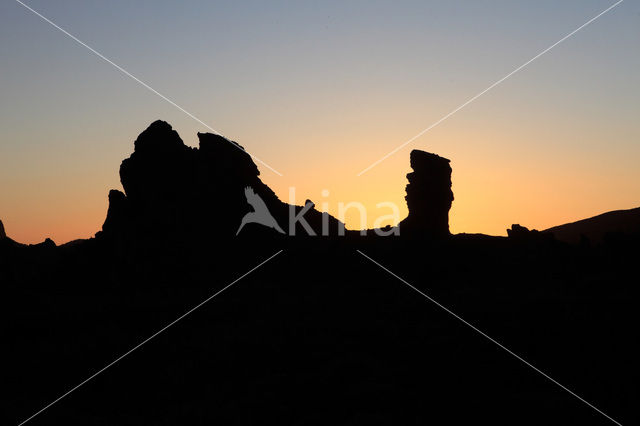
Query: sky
{"points": [[321, 90]]}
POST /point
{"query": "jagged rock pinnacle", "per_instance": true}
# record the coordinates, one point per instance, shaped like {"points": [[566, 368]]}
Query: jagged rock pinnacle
{"points": [[429, 194]]}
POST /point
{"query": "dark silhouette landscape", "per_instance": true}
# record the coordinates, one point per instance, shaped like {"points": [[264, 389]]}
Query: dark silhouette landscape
{"points": [[319, 334]]}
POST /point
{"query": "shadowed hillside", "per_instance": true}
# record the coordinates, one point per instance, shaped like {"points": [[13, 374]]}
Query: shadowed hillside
{"points": [[319, 334], [619, 223]]}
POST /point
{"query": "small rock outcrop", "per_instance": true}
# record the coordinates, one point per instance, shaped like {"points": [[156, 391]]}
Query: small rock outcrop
{"points": [[521, 233], [429, 195], [117, 212]]}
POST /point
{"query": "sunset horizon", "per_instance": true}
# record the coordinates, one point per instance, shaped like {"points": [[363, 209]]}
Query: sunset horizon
{"points": [[554, 143], [355, 213], [85, 226]]}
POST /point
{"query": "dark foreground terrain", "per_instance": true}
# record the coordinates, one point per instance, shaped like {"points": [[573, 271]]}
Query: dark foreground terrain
{"points": [[319, 334]]}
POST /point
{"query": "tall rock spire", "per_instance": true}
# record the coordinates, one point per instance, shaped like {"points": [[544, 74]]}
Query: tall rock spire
{"points": [[429, 195]]}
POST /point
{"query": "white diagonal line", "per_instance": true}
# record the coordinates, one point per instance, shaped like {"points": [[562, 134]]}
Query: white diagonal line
{"points": [[491, 339], [399, 147], [128, 74], [149, 338]]}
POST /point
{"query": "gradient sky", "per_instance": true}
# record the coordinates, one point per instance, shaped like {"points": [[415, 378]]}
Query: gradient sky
{"points": [[320, 90]]}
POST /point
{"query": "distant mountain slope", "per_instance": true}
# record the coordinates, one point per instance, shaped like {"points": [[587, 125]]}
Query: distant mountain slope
{"points": [[595, 228]]}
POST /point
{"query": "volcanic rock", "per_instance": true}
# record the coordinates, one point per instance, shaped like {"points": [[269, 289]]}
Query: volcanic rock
{"points": [[429, 195], [175, 192]]}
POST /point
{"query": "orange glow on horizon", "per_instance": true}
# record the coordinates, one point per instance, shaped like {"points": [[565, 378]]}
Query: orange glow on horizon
{"points": [[490, 195]]}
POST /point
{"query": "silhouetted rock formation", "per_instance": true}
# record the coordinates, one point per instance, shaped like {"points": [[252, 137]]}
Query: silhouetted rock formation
{"points": [[518, 231], [319, 333], [181, 193], [429, 195], [6, 242], [522, 234], [116, 214], [47, 244]]}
